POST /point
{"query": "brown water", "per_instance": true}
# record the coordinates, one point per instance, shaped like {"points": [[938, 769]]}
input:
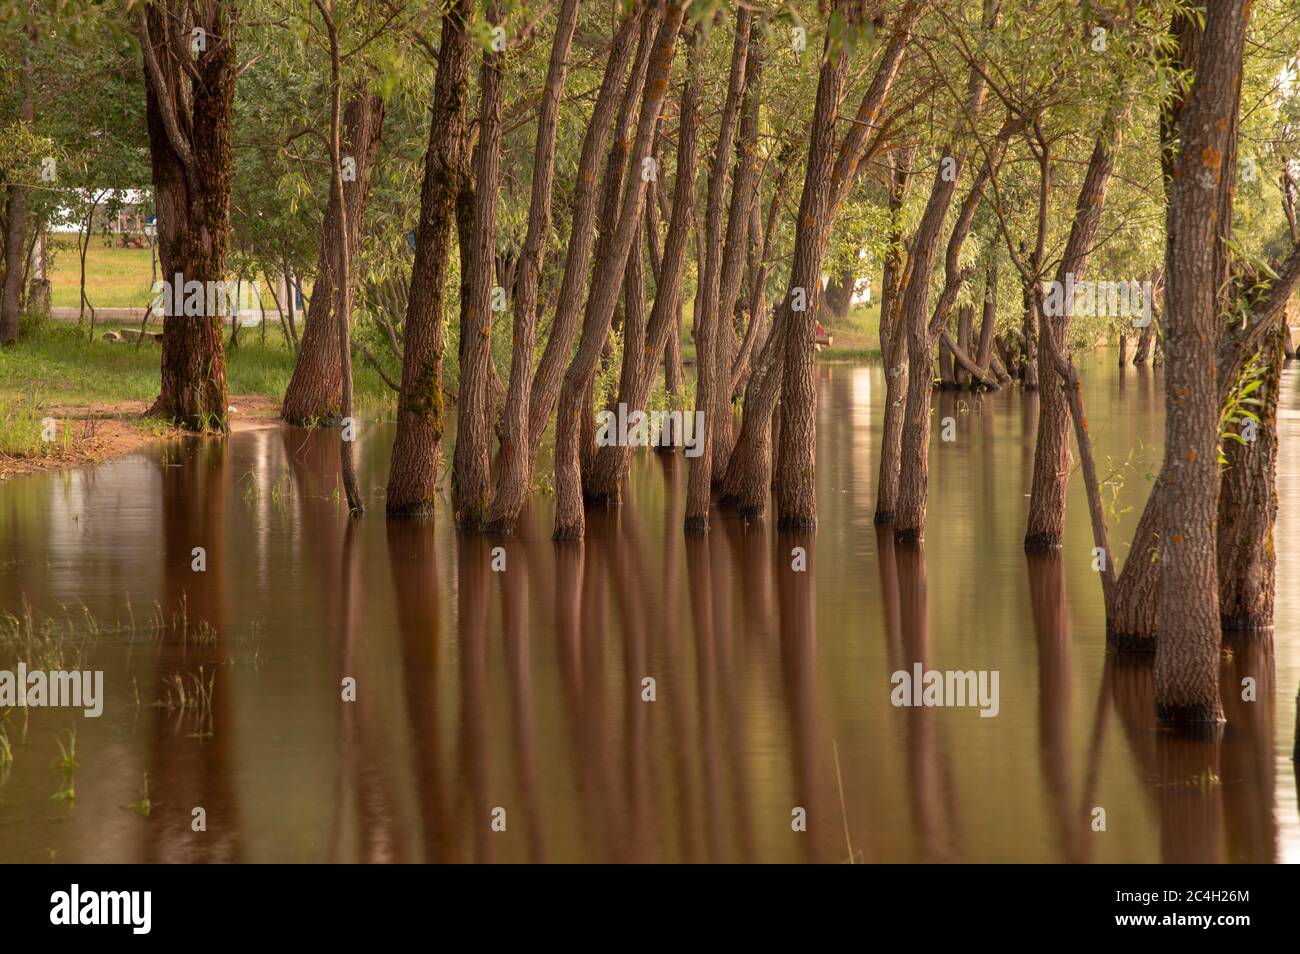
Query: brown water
{"points": [[523, 690]]}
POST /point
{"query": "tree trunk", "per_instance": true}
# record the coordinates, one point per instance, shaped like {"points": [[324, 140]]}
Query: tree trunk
{"points": [[838, 296], [965, 335], [413, 472], [316, 388], [471, 479], [744, 200], [343, 273], [795, 478], [947, 378], [893, 351], [559, 345], [1046, 523], [190, 114], [1247, 557], [1142, 353], [607, 283], [664, 326], [513, 470], [1196, 269], [1029, 330], [709, 399]]}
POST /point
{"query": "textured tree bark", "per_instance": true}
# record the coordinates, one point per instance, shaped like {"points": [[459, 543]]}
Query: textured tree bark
{"points": [[922, 330], [744, 200], [664, 324], [606, 285], [893, 351], [794, 484], [413, 472], [1196, 269], [709, 396], [1248, 507], [1046, 524], [1029, 331], [513, 470], [559, 344], [471, 476], [315, 389], [190, 113], [839, 293], [748, 480]]}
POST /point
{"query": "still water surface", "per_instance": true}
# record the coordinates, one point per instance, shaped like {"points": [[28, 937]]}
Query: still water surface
{"points": [[523, 690]]}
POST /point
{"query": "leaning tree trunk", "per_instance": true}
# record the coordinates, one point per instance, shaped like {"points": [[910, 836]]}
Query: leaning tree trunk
{"points": [[709, 398], [315, 391], [513, 471], [471, 479], [413, 472], [664, 325], [1196, 269], [519, 450], [190, 113], [606, 287]]}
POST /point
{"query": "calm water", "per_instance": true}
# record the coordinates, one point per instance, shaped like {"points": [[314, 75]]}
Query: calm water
{"points": [[523, 689]]}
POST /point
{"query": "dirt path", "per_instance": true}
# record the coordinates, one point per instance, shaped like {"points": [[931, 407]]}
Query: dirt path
{"points": [[92, 434]]}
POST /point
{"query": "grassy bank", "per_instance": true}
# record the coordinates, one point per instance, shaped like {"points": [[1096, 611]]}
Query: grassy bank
{"points": [[54, 371]]}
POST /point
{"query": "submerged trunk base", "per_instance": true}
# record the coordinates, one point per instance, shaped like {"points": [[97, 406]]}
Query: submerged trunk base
{"points": [[1042, 542]]}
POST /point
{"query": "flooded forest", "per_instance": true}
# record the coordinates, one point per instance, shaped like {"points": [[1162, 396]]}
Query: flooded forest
{"points": [[852, 431]]}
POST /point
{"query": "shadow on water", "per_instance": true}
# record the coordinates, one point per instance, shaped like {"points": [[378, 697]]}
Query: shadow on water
{"points": [[397, 691]]}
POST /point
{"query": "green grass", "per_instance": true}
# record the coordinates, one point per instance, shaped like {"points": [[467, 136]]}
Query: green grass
{"points": [[115, 277], [55, 364]]}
